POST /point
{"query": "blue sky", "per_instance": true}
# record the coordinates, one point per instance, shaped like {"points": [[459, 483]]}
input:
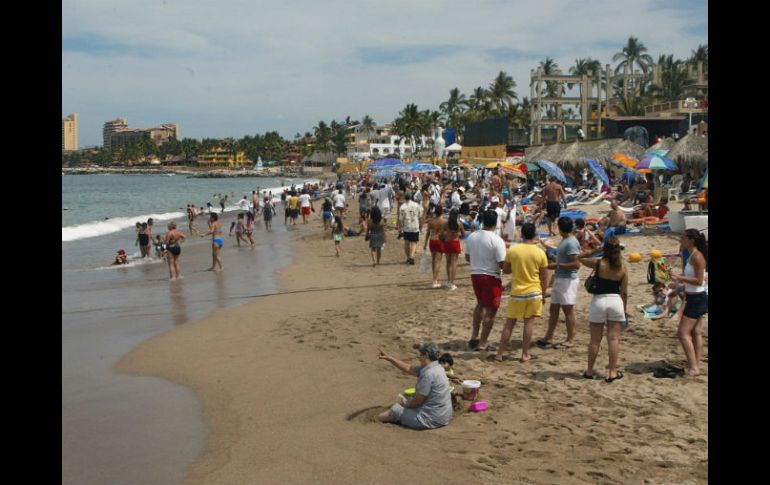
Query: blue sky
{"points": [[238, 67]]}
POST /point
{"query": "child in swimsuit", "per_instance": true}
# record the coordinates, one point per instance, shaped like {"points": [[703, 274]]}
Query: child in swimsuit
{"points": [[337, 234]]}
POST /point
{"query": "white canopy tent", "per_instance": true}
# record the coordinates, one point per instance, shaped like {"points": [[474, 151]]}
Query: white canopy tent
{"points": [[454, 147]]}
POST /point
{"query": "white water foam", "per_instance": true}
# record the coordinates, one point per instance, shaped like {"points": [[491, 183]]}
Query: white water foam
{"points": [[117, 224], [109, 226]]}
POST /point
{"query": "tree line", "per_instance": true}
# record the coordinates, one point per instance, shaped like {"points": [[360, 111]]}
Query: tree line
{"points": [[498, 99]]}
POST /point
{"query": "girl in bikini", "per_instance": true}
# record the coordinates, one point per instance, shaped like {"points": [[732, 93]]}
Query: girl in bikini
{"points": [[452, 232], [248, 230], [215, 231]]}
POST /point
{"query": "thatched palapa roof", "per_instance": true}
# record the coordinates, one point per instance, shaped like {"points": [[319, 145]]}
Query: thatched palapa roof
{"points": [[692, 150], [572, 155]]}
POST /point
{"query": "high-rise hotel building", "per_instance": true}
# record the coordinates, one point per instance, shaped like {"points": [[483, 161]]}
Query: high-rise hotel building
{"points": [[111, 127], [69, 132]]}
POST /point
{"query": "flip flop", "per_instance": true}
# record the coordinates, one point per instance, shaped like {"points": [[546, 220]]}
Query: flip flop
{"points": [[543, 344], [488, 348], [473, 344], [668, 373], [586, 376], [618, 376], [562, 345], [531, 358]]}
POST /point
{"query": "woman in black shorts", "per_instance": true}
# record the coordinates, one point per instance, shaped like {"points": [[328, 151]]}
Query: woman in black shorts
{"points": [[696, 299]]}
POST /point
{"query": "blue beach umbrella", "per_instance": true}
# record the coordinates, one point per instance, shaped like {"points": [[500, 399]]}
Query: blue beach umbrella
{"points": [[386, 163], [662, 153], [656, 162], [704, 181], [424, 167], [551, 169], [598, 170], [385, 173]]}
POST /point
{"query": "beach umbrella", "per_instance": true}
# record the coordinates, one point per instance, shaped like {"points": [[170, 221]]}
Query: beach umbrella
{"points": [[598, 170], [386, 163], [656, 162], [624, 160], [385, 173], [618, 164], [552, 169], [661, 153], [704, 182], [513, 171], [424, 167]]}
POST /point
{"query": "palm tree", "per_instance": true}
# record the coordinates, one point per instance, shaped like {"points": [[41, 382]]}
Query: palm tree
{"points": [[589, 67], [630, 106], [633, 54], [501, 92], [323, 136], [368, 126], [479, 105], [700, 54], [673, 79], [584, 66], [552, 89], [410, 124], [453, 107]]}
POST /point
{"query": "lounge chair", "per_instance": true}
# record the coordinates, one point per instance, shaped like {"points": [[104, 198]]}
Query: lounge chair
{"points": [[593, 201]]}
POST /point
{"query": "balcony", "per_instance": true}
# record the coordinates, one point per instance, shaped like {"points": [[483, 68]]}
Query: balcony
{"points": [[675, 107]]}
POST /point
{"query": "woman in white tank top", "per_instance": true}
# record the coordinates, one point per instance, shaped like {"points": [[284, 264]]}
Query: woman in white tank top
{"points": [[696, 300]]}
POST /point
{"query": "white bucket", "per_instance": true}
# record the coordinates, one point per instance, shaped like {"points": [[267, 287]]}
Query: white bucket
{"points": [[676, 221], [471, 390]]}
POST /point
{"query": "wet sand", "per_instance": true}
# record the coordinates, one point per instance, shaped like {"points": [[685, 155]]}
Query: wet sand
{"points": [[289, 383]]}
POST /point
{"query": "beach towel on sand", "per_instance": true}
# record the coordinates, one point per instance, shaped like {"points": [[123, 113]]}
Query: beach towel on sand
{"points": [[653, 314]]}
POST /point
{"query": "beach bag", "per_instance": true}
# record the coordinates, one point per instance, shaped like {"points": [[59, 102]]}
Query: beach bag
{"points": [[424, 263], [658, 271], [592, 281]]}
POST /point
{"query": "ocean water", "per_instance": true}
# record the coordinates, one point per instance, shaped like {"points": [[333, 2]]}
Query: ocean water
{"points": [[120, 429]]}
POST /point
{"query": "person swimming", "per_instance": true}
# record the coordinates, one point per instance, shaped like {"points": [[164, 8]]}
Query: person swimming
{"points": [[120, 258]]}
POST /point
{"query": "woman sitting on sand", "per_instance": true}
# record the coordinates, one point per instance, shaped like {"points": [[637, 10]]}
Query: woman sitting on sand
{"points": [[608, 306], [431, 406]]}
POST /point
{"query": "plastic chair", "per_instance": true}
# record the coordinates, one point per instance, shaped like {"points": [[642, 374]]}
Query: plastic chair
{"points": [[674, 191]]}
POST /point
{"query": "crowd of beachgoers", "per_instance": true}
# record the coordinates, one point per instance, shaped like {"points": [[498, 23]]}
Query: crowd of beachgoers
{"points": [[529, 228]]}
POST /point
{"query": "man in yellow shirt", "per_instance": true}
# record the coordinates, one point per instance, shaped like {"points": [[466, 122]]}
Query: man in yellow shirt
{"points": [[528, 264], [294, 207]]}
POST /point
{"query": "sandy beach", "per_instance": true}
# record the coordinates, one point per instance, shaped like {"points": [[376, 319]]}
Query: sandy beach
{"points": [[289, 382]]}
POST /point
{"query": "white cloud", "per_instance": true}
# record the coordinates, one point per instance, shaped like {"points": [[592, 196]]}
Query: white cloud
{"points": [[251, 66]]}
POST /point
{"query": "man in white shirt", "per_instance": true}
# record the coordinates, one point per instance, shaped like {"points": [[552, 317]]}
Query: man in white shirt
{"points": [[485, 250], [384, 196], [339, 203], [409, 224], [244, 204], [495, 206], [455, 199], [305, 205]]}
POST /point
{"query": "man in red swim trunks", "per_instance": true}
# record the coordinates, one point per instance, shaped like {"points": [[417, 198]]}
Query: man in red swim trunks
{"points": [[485, 250]]}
